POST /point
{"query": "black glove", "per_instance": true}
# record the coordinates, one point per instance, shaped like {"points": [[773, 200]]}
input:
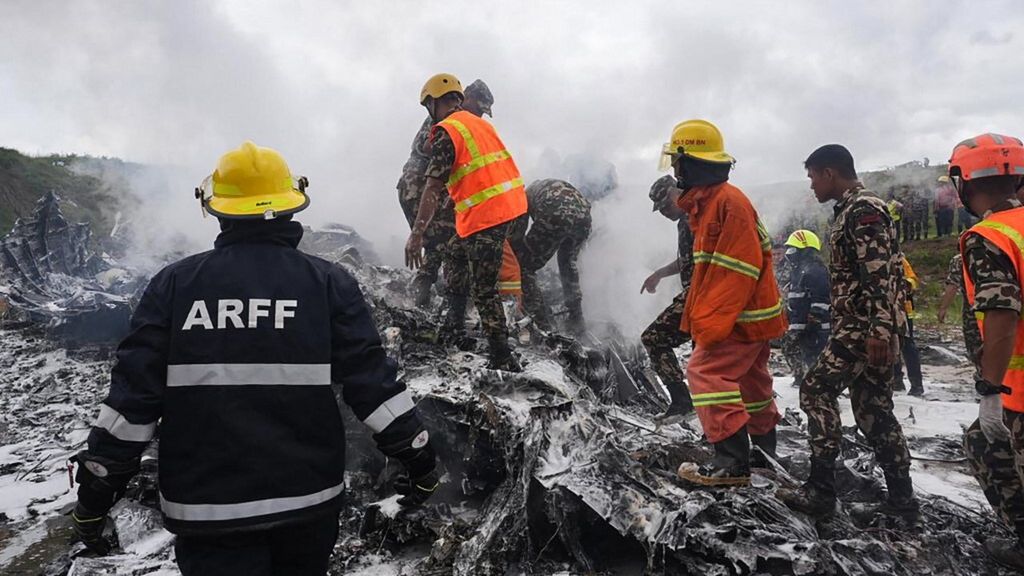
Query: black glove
{"points": [[420, 462], [101, 481], [416, 491], [88, 528]]}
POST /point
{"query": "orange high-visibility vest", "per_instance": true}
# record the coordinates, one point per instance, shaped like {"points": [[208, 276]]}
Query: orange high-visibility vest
{"points": [[484, 184], [1006, 230], [509, 279]]}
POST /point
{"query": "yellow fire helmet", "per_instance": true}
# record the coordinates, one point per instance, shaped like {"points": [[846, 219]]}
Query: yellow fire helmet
{"points": [[943, 178], [252, 182], [804, 239], [698, 139], [440, 84]]}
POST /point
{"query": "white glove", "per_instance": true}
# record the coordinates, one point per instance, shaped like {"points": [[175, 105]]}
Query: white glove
{"points": [[990, 418]]}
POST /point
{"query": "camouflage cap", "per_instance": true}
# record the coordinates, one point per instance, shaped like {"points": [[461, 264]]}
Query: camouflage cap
{"points": [[479, 91], [659, 191]]}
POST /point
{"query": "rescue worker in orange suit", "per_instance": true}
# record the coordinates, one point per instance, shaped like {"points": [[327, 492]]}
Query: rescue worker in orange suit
{"points": [[469, 159], [733, 308], [988, 172], [235, 353]]}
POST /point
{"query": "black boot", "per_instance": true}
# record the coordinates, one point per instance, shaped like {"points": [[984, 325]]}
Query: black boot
{"points": [[901, 502], [730, 465], [421, 285], [817, 497], [767, 444], [679, 408], [501, 356], [916, 387], [453, 331], [576, 325], [1006, 552]]}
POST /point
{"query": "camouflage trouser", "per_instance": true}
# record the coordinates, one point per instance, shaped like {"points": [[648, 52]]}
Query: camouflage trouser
{"points": [[995, 469], [441, 229], [871, 396], [561, 233], [801, 350], [472, 265], [661, 339]]}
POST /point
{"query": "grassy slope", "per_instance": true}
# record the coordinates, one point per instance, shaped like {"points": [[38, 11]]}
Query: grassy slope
{"points": [[24, 179]]}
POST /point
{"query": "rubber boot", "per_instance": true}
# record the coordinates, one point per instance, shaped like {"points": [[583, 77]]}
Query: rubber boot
{"points": [[501, 356], [453, 331], [767, 444], [730, 465], [817, 496]]}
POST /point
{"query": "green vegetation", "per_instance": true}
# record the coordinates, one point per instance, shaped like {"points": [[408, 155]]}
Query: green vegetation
{"points": [[85, 197]]}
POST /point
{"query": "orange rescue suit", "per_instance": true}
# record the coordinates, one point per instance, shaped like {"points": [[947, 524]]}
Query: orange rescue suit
{"points": [[1006, 230], [484, 184], [733, 291]]}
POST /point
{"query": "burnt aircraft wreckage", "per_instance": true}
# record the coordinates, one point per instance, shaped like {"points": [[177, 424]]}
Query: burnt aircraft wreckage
{"points": [[560, 469]]}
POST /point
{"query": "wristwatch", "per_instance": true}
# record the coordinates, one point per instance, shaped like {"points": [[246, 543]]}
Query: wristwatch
{"points": [[986, 388]]}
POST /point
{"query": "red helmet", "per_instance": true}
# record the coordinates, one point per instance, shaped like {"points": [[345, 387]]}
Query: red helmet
{"points": [[987, 155]]}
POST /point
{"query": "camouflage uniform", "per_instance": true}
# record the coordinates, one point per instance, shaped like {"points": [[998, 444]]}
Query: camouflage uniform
{"points": [[911, 226], [472, 264], [663, 336], [410, 190], [561, 223], [868, 295], [972, 335], [995, 464]]}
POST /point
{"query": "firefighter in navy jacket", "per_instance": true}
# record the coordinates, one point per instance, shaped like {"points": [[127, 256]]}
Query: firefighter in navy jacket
{"points": [[234, 353]]}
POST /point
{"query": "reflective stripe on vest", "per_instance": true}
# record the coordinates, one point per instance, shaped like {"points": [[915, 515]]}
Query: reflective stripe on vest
{"points": [[239, 510], [477, 161], [488, 193], [181, 375]]}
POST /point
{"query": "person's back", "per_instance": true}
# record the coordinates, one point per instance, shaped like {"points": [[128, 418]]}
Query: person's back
{"points": [[234, 354]]}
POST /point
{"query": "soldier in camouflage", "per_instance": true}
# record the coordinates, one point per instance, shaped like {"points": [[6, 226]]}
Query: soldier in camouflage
{"points": [[442, 226], [560, 218], [663, 336], [985, 174], [868, 318]]}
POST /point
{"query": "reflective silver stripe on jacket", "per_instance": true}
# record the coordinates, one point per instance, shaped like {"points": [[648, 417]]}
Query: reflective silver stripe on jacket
{"points": [[820, 306], [389, 411], [119, 427], [794, 295], [794, 327], [215, 512], [248, 374]]}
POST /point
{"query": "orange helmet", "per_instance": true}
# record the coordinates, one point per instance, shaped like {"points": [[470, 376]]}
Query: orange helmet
{"points": [[987, 155]]}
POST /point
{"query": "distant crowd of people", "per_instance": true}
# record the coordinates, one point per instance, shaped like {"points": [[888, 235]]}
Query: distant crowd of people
{"points": [[911, 208]]}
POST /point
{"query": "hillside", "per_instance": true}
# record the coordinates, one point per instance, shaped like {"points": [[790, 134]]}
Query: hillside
{"points": [[92, 190]]}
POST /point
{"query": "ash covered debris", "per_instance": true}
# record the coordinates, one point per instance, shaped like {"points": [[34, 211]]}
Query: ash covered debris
{"points": [[559, 469], [50, 277]]}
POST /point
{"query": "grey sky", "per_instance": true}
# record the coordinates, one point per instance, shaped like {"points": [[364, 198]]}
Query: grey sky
{"points": [[334, 85]]}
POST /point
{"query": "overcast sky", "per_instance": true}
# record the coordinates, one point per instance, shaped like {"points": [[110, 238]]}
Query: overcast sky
{"points": [[334, 85]]}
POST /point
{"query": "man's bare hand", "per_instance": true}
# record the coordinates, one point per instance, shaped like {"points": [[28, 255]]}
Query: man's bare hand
{"points": [[414, 251], [651, 284], [879, 352]]}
